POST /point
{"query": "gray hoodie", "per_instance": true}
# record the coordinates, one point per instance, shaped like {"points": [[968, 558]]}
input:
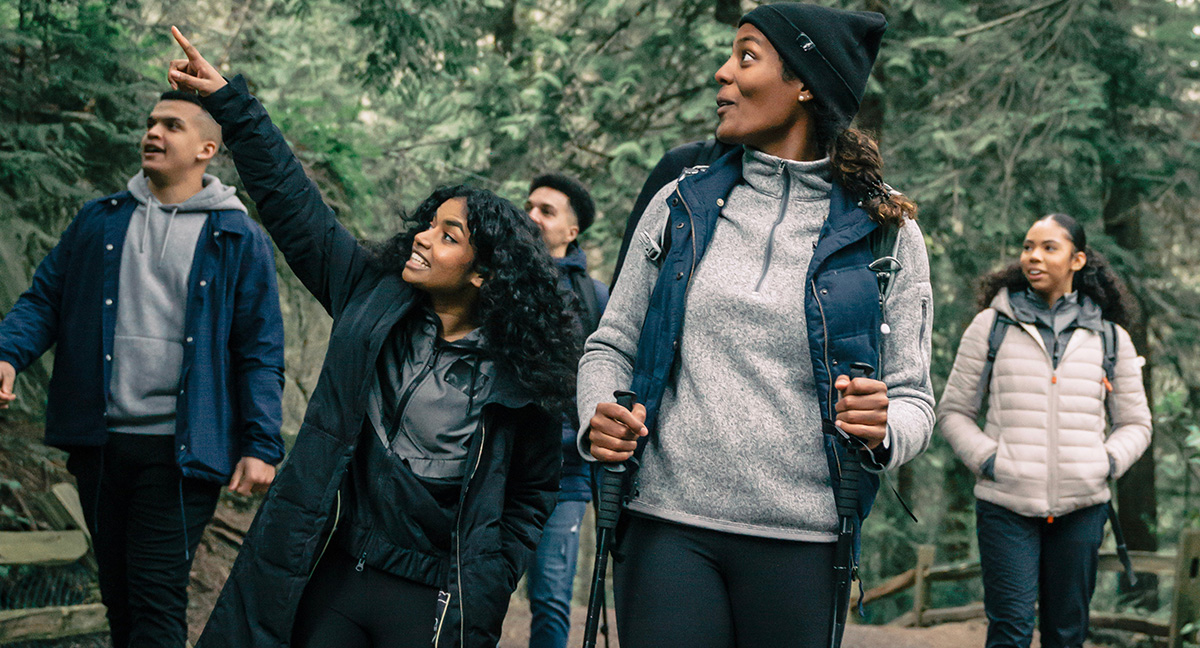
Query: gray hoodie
{"points": [[156, 262]]}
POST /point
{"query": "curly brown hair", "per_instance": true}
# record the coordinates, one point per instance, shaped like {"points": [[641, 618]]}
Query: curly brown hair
{"points": [[857, 166]]}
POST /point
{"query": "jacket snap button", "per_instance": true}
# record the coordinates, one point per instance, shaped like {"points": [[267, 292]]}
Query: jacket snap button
{"points": [[216, 235], [108, 302], [189, 339], [679, 276], [108, 357], [674, 201], [203, 283], [108, 247], [113, 202], [824, 291], [679, 226], [720, 202]]}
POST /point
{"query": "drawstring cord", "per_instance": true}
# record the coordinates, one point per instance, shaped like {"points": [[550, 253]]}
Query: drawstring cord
{"points": [[167, 238], [146, 225]]}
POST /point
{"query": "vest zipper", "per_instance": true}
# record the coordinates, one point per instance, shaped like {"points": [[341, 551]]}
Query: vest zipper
{"points": [[787, 191], [692, 222], [824, 344]]}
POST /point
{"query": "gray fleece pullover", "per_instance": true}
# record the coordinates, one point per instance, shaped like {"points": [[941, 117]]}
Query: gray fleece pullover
{"points": [[739, 444], [156, 262]]}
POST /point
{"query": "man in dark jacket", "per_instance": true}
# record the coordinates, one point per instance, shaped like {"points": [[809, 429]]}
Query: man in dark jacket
{"points": [[162, 304], [563, 209]]}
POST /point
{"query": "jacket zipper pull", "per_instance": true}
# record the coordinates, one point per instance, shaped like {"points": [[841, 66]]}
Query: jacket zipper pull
{"points": [[361, 561], [1054, 379]]}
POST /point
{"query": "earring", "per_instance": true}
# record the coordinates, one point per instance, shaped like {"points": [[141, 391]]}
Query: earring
{"points": [[805, 97]]}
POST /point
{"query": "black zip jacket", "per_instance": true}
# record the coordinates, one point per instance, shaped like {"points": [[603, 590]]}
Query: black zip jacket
{"points": [[514, 460]]}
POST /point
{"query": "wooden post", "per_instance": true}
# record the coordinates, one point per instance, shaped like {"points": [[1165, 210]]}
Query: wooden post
{"points": [[925, 556], [1185, 607]]}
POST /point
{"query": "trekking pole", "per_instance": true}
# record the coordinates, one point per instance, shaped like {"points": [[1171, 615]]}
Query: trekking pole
{"points": [[847, 509], [608, 511], [1122, 550]]}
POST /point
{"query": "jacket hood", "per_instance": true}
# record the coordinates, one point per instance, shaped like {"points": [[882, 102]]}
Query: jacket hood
{"points": [[576, 259], [1090, 315], [215, 196]]}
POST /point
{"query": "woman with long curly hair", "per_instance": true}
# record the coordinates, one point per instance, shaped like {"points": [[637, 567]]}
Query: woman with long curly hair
{"points": [[1049, 356], [736, 322], [429, 457]]}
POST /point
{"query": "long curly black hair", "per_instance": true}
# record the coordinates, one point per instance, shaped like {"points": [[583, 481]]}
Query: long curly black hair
{"points": [[1097, 279], [529, 328]]}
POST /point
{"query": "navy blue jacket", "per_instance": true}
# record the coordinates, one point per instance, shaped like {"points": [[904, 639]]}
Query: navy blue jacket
{"points": [[576, 484], [232, 375], [841, 303]]}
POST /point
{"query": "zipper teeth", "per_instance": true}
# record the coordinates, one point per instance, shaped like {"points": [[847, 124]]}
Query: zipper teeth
{"points": [[337, 517], [1052, 456], [462, 637], [412, 388], [692, 221], [787, 190], [825, 342]]}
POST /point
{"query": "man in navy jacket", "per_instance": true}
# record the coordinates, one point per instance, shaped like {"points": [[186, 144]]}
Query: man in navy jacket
{"points": [[163, 309], [563, 209]]}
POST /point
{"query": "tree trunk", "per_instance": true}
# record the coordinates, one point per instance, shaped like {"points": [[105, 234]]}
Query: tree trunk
{"points": [[1136, 493]]}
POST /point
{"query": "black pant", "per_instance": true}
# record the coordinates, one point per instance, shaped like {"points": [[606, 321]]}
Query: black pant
{"points": [[1026, 560], [694, 588], [146, 520], [343, 607]]}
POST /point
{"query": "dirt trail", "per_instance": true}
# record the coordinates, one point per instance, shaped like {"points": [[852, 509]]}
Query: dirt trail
{"points": [[970, 634]]}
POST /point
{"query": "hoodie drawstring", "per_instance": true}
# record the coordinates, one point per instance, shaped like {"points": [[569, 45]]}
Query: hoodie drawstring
{"points": [[167, 238], [146, 224]]}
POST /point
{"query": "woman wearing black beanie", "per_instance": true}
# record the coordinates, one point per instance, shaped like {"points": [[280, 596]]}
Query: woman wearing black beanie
{"points": [[736, 320]]}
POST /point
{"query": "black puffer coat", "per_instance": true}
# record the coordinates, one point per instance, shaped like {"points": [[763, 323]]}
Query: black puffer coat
{"points": [[510, 490]]}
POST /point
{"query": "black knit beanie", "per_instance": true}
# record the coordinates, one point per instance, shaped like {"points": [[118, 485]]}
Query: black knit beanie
{"points": [[830, 50]]}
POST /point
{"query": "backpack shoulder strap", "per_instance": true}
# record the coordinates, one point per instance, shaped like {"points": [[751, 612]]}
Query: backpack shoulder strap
{"points": [[1108, 336], [585, 291], [995, 338]]}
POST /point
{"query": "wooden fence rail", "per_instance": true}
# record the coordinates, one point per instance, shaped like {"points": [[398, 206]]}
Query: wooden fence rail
{"points": [[69, 542], [1185, 602]]}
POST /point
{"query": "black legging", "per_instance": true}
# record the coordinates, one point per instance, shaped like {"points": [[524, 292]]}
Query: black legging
{"points": [[345, 608], [695, 588]]}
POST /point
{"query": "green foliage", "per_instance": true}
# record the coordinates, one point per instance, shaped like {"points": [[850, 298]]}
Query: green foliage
{"points": [[70, 109]]}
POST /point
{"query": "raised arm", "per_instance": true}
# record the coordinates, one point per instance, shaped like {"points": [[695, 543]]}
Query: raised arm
{"points": [[324, 255]]}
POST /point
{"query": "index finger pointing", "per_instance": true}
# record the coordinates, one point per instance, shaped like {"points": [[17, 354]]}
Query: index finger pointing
{"points": [[185, 44]]}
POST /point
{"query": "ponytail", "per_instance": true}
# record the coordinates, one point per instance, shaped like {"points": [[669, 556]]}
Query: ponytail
{"points": [[858, 167]]}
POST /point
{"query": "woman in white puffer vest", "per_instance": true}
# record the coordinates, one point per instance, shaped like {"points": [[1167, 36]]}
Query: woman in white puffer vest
{"points": [[1048, 450]]}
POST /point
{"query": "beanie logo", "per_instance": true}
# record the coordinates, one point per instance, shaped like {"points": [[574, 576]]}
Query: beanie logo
{"points": [[806, 43]]}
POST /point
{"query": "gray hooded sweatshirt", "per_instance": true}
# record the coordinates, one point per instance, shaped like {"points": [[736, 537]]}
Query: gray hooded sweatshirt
{"points": [[156, 262]]}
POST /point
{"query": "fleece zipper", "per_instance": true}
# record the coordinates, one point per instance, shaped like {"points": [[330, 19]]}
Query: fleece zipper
{"points": [[783, 203]]}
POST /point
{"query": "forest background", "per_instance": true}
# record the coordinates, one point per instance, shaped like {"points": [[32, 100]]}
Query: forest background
{"points": [[989, 113]]}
